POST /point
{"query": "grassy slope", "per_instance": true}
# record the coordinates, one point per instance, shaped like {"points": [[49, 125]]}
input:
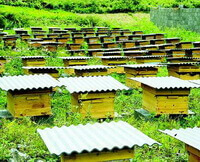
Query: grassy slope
{"points": [[21, 133]]}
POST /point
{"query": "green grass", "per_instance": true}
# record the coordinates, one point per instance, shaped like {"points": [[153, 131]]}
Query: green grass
{"points": [[21, 133]]}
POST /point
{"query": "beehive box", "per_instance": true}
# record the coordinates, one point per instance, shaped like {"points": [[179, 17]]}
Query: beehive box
{"points": [[172, 40], [2, 64], [77, 34], [78, 40], [149, 47], [138, 32], [21, 32], [181, 59], [92, 70], [75, 61], [128, 44], [28, 95], [193, 52], [95, 52], [39, 35], [132, 49], [142, 42], [80, 52], [89, 34], [139, 70], [94, 45], [64, 34], [165, 95], [190, 137], [53, 35], [159, 36], [36, 28], [115, 33], [74, 46], [135, 53], [110, 45], [167, 46], [10, 41], [157, 41], [184, 70], [51, 29], [25, 36], [62, 39], [52, 46], [92, 39], [121, 38], [184, 45], [50, 70], [110, 149], [93, 96], [148, 59], [107, 39], [156, 52], [135, 37], [148, 36], [113, 61], [33, 60], [176, 52]]}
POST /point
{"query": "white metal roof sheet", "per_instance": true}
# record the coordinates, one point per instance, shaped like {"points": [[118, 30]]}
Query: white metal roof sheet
{"points": [[44, 67], [93, 137], [190, 136], [134, 66], [88, 67], [165, 82], [28, 82], [92, 84], [75, 58]]}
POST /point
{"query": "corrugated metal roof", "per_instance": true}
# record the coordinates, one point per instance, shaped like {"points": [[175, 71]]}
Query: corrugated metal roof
{"points": [[190, 136], [195, 81], [150, 56], [141, 51], [113, 57], [27, 57], [93, 137], [43, 67], [92, 84], [28, 82], [75, 58], [166, 82], [142, 65], [184, 58], [88, 67], [183, 63]]}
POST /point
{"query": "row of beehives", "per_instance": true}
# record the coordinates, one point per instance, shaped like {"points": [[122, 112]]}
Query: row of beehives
{"points": [[94, 96], [52, 41]]}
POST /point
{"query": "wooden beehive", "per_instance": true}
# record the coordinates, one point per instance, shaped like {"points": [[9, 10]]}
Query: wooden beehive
{"points": [[184, 45], [157, 41], [135, 53], [193, 52], [166, 46], [78, 40], [39, 35], [148, 59], [149, 47], [52, 71], [62, 39], [115, 33], [172, 40], [176, 53], [114, 61], [33, 60], [184, 70], [190, 137], [95, 52], [29, 102], [51, 29], [2, 64], [52, 46], [53, 35], [28, 95], [148, 36], [94, 45], [64, 35], [137, 32], [10, 41], [106, 39], [121, 38], [95, 70], [128, 44], [165, 95], [90, 98], [139, 70], [74, 46], [110, 45], [135, 37], [142, 42], [80, 52], [89, 34], [92, 39], [116, 141], [157, 52], [77, 34], [159, 36]]}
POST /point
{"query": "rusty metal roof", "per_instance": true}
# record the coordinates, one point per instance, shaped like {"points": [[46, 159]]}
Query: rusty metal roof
{"points": [[190, 136], [134, 66], [166, 82], [92, 84], [93, 137], [88, 67], [75, 58], [28, 82]]}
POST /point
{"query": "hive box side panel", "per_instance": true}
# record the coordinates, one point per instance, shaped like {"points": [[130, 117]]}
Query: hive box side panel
{"points": [[194, 154], [100, 156], [29, 103]]}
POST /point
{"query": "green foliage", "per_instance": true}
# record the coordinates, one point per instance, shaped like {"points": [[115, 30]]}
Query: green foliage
{"points": [[101, 6]]}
